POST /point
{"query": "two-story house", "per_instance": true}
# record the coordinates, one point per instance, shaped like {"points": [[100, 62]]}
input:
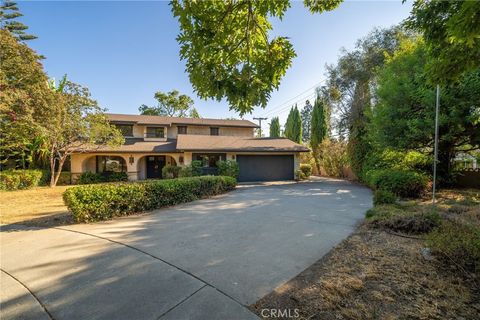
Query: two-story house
{"points": [[151, 142]]}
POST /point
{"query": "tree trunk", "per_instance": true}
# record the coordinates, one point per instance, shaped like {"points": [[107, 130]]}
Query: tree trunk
{"points": [[52, 169], [444, 169], [59, 171]]}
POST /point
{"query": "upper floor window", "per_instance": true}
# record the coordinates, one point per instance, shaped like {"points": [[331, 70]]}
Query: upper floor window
{"points": [[155, 132], [182, 129], [125, 129], [214, 131]]}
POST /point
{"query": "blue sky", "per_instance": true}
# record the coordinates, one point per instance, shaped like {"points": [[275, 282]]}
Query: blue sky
{"points": [[126, 51]]}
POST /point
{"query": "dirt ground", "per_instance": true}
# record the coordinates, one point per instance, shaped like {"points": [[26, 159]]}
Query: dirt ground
{"points": [[379, 274], [41, 207]]}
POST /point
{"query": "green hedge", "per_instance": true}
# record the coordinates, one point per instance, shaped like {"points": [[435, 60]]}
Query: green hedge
{"points": [[383, 197], [20, 179], [228, 168], [171, 172], [306, 169], [403, 183], [104, 201], [92, 177]]}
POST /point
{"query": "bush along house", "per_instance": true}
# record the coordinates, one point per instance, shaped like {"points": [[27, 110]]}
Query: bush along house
{"points": [[151, 142]]}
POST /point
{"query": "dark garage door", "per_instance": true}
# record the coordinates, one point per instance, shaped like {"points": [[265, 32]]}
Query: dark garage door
{"points": [[265, 168]]}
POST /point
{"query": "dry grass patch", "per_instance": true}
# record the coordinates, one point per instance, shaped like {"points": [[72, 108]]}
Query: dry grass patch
{"points": [[40, 207], [380, 274]]}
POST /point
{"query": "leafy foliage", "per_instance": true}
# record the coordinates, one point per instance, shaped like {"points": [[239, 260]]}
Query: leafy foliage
{"points": [[229, 52], [404, 117], [383, 197], [171, 104], [105, 201], [19, 179], [228, 168], [306, 115], [332, 157], [293, 126], [92, 177], [306, 169], [319, 127], [171, 172], [8, 13], [275, 128], [403, 183], [63, 117], [451, 31]]}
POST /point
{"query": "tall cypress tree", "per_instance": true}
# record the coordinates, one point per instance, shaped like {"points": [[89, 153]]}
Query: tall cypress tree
{"points": [[319, 127], [275, 128], [8, 13], [293, 126]]}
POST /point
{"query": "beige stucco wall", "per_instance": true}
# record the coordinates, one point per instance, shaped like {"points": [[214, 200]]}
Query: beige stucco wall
{"points": [[205, 130], [83, 162]]}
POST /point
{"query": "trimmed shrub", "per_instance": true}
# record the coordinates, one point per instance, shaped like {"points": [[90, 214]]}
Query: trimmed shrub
{"points": [[383, 197], [105, 201], [193, 170], [19, 179], [89, 178], [170, 172], [458, 242], [306, 169], [403, 183], [228, 168], [196, 168], [185, 172], [299, 175], [92, 177]]}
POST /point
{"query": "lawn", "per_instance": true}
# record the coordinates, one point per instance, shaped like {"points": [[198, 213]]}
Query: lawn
{"points": [[42, 207], [381, 273]]}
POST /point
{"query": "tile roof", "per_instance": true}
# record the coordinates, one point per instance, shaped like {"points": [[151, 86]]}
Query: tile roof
{"points": [[190, 142], [168, 121]]}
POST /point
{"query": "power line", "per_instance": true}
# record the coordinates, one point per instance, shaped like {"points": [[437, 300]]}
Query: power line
{"points": [[260, 123], [289, 100]]}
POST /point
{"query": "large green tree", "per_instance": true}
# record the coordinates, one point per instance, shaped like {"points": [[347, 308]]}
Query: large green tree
{"points": [[350, 85], [229, 52], [404, 115], [171, 104], [63, 117], [24, 97], [8, 14], [275, 128], [451, 30], [293, 125]]}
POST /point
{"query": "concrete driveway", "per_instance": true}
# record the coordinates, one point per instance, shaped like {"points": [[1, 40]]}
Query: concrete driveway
{"points": [[203, 260]]}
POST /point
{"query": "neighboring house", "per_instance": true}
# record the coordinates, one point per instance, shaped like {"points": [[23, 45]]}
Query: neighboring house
{"points": [[151, 142]]}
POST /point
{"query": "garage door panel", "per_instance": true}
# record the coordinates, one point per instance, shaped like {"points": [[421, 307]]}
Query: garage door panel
{"points": [[265, 167]]}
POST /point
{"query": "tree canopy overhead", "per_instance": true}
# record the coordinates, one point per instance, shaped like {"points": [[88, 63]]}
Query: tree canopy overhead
{"points": [[451, 30], [228, 51], [171, 104], [8, 14]]}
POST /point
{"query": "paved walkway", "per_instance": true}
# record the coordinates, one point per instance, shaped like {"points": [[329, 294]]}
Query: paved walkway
{"points": [[204, 260]]}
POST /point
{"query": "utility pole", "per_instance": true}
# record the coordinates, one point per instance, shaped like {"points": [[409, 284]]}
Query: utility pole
{"points": [[437, 107], [260, 124]]}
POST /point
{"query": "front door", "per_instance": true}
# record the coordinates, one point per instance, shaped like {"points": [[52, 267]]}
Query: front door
{"points": [[155, 165]]}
